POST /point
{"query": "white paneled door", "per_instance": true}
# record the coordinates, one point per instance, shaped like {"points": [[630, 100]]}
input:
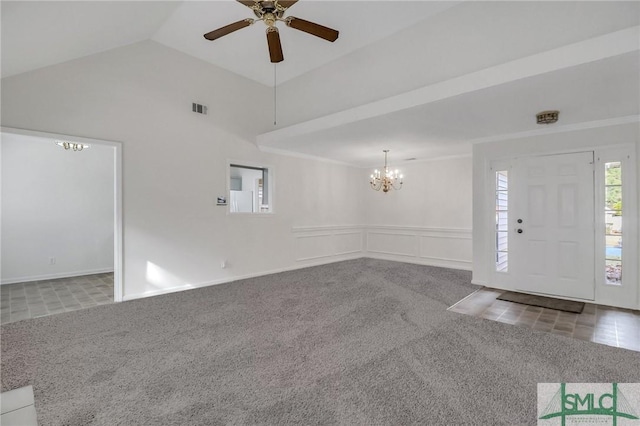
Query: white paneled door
{"points": [[552, 245]]}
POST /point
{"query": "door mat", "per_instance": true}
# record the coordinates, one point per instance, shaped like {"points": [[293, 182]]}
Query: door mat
{"points": [[543, 302]]}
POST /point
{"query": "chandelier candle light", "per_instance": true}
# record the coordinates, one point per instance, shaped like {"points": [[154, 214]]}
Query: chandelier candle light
{"points": [[386, 179]]}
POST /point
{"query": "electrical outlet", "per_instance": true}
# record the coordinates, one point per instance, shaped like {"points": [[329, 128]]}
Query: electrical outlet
{"points": [[52, 261]]}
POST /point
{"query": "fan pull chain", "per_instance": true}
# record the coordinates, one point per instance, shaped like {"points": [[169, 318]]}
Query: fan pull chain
{"points": [[275, 93]]}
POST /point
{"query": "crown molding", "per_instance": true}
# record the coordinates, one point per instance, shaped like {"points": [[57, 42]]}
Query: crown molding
{"points": [[287, 153]]}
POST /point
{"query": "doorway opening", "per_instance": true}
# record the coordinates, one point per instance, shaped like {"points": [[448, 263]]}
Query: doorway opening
{"points": [[61, 223]]}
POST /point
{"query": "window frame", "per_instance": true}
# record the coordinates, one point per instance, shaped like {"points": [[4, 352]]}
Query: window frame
{"points": [[614, 294], [622, 215], [501, 279], [506, 229], [270, 186]]}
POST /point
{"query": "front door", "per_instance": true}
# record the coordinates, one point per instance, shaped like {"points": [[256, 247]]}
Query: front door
{"points": [[553, 225]]}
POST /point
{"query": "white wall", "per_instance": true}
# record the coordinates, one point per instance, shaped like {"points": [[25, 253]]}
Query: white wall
{"points": [[599, 139], [175, 164], [428, 221], [55, 204]]}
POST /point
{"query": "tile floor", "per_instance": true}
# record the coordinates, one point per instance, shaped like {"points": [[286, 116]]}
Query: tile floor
{"points": [[40, 298], [17, 407], [601, 324]]}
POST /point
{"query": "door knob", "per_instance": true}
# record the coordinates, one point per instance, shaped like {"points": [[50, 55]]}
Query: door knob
{"points": [[519, 220], [520, 231]]}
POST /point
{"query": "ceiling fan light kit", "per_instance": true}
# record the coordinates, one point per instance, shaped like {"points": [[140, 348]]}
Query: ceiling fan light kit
{"points": [[270, 12]]}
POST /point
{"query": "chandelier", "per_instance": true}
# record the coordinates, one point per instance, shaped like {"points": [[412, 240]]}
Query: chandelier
{"points": [[72, 145], [386, 179]]}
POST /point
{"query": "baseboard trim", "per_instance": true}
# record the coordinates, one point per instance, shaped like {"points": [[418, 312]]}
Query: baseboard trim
{"points": [[326, 256], [422, 260], [55, 276], [301, 265]]}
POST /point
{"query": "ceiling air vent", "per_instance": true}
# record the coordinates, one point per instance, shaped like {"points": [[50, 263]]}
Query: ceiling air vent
{"points": [[200, 109], [547, 117]]}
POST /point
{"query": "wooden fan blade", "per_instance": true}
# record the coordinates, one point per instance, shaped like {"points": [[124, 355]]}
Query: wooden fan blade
{"points": [[312, 28], [275, 48], [287, 4], [227, 29], [248, 3]]}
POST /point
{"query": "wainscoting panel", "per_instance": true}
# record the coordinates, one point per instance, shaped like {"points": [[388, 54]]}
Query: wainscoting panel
{"points": [[446, 247], [328, 241], [314, 246], [392, 243], [348, 242]]}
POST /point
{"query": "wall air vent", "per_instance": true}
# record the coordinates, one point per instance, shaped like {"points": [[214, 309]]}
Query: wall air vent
{"points": [[200, 109]]}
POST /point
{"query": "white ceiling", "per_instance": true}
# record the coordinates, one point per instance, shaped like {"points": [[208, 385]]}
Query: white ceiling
{"points": [[386, 50], [52, 32], [244, 52], [37, 34], [594, 91]]}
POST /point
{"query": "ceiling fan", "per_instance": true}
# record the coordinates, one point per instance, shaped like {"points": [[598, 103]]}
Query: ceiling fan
{"points": [[271, 12]]}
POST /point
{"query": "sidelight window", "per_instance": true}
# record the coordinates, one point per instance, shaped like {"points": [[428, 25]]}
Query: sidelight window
{"points": [[502, 221], [613, 222]]}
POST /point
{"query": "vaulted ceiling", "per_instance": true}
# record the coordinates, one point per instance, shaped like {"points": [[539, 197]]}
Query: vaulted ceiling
{"points": [[424, 79], [54, 32]]}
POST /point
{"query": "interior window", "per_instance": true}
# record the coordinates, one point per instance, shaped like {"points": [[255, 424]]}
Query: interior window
{"points": [[249, 189]]}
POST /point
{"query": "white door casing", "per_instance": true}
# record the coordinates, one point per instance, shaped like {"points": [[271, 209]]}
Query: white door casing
{"points": [[552, 249], [118, 290]]}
